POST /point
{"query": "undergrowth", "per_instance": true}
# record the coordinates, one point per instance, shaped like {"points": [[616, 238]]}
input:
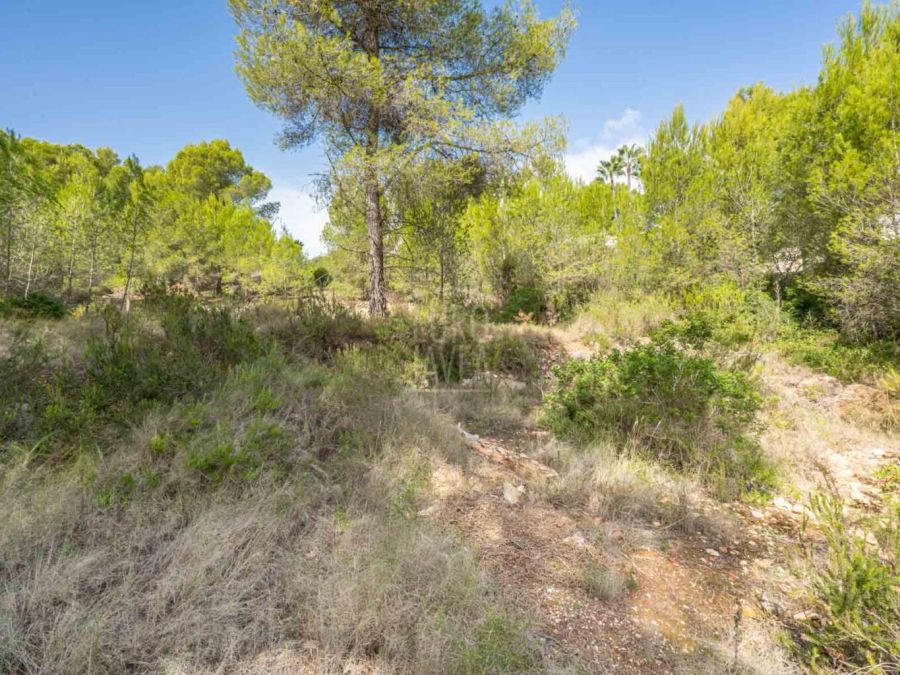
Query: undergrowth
{"points": [[188, 489], [854, 570], [675, 406]]}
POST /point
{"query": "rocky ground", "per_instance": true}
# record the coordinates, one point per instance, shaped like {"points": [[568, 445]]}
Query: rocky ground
{"points": [[704, 601]]}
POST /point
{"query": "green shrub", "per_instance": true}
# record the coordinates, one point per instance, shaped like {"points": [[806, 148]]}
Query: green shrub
{"points": [[855, 591], [35, 305], [170, 349], [319, 327], [509, 355], [825, 351], [321, 278], [723, 314], [132, 364], [604, 583], [523, 301], [676, 406]]}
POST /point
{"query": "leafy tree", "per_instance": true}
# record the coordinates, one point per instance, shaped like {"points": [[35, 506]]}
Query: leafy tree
{"points": [[383, 83]]}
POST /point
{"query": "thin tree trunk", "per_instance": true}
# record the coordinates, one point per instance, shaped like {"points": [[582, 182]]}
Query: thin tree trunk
{"points": [[71, 271], [91, 271], [377, 298], [30, 266], [126, 304], [9, 239], [374, 225]]}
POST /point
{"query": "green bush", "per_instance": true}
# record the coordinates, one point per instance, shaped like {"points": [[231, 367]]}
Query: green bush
{"points": [[676, 406], [319, 327], [825, 351], [523, 300], [169, 349], [321, 278], [509, 355], [855, 591], [723, 314], [35, 305], [132, 364]]}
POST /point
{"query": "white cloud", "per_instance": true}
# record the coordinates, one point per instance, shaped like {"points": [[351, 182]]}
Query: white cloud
{"points": [[584, 155], [301, 216]]}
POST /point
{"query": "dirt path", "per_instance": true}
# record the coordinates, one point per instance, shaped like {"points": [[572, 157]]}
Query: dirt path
{"points": [[697, 602], [678, 615]]}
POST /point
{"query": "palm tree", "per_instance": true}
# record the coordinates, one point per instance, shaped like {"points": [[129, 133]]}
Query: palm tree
{"points": [[631, 156], [608, 169]]}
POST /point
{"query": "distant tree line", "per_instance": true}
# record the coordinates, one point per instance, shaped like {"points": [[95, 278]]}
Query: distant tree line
{"points": [[76, 223]]}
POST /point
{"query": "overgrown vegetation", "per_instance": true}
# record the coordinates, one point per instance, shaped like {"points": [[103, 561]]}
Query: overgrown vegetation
{"points": [[676, 406], [212, 498], [854, 567], [208, 452]]}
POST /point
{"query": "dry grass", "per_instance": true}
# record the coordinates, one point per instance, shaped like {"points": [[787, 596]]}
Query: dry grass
{"points": [[611, 318], [136, 558], [813, 426], [617, 486]]}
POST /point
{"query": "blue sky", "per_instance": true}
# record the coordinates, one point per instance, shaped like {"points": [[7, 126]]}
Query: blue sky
{"points": [[149, 77]]}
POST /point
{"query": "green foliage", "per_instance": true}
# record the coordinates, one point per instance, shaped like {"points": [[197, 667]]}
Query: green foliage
{"points": [[171, 349], [130, 365], [673, 405], [510, 355], [523, 302], [319, 326], [854, 588], [37, 305], [78, 221], [827, 352], [321, 277], [500, 646]]}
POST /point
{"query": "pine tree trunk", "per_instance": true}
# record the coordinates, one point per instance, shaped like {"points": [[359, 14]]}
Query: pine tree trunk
{"points": [[91, 271], [9, 237], [126, 304], [377, 298], [374, 225]]}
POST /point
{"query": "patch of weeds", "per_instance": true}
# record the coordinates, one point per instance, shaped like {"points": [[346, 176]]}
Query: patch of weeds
{"points": [[500, 645], [853, 587], [825, 351], [117, 491], [160, 444], [604, 583], [888, 477], [403, 502]]}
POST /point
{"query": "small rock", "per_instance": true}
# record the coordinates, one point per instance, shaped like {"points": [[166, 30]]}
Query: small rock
{"points": [[804, 616], [513, 494], [713, 552], [758, 515], [770, 604], [781, 503], [577, 539]]}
